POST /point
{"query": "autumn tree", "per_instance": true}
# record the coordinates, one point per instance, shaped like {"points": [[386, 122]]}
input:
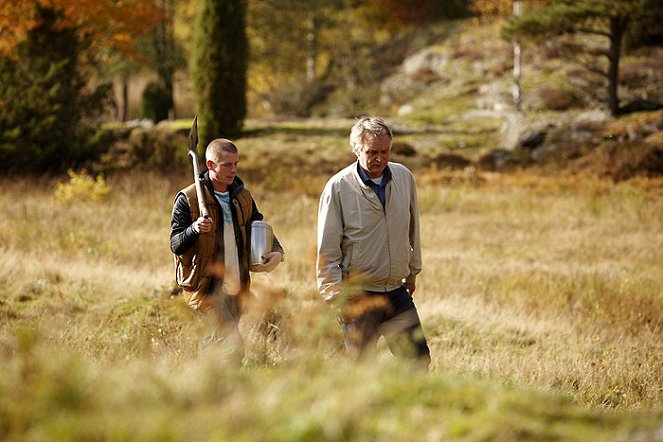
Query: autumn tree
{"points": [[219, 68], [161, 53], [47, 58], [418, 11], [297, 31], [603, 25], [313, 57], [41, 97]]}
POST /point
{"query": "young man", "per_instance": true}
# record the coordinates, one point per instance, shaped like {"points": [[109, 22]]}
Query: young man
{"points": [[212, 254], [369, 251]]}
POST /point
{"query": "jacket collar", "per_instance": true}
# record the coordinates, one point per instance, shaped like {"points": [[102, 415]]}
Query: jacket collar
{"points": [[233, 189], [386, 175]]}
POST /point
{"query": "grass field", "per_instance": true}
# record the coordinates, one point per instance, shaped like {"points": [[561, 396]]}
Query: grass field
{"points": [[542, 299]]}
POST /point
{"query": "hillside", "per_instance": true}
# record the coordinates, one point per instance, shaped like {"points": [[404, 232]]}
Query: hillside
{"points": [[446, 89], [459, 93]]}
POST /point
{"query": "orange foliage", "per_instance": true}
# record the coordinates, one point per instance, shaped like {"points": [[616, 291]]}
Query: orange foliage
{"points": [[410, 11], [111, 24]]}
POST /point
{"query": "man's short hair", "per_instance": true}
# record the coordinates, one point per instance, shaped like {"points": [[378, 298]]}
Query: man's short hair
{"points": [[218, 145], [367, 125]]}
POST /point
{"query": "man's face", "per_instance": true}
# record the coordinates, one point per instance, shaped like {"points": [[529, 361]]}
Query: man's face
{"points": [[374, 154], [223, 171]]}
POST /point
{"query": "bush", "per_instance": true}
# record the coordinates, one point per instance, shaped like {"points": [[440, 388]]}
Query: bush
{"points": [[557, 99], [156, 102], [158, 148], [81, 187]]}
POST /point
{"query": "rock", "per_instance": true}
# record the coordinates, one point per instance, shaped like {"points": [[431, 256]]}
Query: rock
{"points": [[429, 60], [532, 139]]}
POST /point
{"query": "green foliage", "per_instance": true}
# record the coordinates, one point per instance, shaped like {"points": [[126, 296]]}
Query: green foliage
{"points": [[325, 61], [44, 103], [609, 20], [558, 18], [162, 149], [649, 27], [219, 68], [45, 396], [585, 16]]}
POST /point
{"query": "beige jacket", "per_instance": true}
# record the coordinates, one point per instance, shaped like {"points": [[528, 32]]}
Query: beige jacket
{"points": [[360, 241]]}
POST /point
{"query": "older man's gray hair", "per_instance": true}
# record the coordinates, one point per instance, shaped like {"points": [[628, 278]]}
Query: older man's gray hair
{"points": [[367, 125]]}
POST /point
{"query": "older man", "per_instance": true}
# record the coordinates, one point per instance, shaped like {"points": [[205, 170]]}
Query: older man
{"points": [[369, 251]]}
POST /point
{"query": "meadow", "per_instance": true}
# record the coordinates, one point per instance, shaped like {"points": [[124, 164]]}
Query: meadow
{"points": [[541, 298]]}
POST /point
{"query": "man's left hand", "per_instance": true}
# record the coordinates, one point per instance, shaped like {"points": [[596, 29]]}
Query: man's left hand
{"points": [[270, 262], [410, 287]]}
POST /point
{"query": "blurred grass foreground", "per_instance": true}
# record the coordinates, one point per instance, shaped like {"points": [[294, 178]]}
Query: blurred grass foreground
{"points": [[542, 299]]}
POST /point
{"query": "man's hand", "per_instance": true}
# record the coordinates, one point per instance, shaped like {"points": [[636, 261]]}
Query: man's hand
{"points": [[270, 262], [410, 287], [202, 225]]}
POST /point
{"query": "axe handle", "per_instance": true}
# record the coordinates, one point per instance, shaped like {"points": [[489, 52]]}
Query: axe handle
{"points": [[199, 185], [201, 202]]}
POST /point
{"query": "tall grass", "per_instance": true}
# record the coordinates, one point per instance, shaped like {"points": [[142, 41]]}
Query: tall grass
{"points": [[542, 301]]}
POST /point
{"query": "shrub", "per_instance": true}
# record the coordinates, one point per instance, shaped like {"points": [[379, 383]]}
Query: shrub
{"points": [[557, 99], [156, 102], [81, 187]]}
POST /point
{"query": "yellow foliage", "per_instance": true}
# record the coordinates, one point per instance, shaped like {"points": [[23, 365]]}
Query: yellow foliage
{"points": [[81, 187], [502, 8]]}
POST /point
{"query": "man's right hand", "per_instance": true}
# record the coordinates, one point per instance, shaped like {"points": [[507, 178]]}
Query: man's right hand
{"points": [[202, 225]]}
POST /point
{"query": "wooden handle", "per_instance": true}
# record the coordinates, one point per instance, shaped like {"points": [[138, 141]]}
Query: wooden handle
{"points": [[201, 202]]}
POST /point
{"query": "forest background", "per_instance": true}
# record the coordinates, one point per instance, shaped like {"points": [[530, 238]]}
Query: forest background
{"points": [[542, 294]]}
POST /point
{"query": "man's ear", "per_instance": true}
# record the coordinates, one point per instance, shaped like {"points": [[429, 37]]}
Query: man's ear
{"points": [[209, 164]]}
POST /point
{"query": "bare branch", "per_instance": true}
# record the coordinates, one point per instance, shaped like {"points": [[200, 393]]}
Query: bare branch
{"points": [[593, 32]]}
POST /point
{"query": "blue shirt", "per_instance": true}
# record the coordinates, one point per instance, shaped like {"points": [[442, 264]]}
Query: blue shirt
{"points": [[379, 189]]}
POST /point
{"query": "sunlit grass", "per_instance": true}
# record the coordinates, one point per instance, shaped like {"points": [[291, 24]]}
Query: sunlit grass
{"points": [[541, 299]]}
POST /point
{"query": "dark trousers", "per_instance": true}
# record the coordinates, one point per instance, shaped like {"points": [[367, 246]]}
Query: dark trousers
{"points": [[390, 314]]}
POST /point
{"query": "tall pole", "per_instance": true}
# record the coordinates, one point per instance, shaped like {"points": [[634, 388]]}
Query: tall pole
{"points": [[515, 90]]}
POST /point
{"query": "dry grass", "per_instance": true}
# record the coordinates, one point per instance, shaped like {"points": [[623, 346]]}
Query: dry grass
{"points": [[539, 283], [553, 283]]}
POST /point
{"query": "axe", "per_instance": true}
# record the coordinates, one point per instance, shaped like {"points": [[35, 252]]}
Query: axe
{"points": [[193, 144]]}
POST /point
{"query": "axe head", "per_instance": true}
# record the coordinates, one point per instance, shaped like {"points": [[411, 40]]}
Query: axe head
{"points": [[193, 135]]}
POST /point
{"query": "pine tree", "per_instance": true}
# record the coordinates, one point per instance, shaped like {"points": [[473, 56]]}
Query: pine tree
{"points": [[42, 95], [604, 19], [219, 68]]}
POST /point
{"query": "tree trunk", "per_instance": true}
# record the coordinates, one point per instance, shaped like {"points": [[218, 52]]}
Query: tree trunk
{"points": [[124, 110], [164, 46], [617, 29]]}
